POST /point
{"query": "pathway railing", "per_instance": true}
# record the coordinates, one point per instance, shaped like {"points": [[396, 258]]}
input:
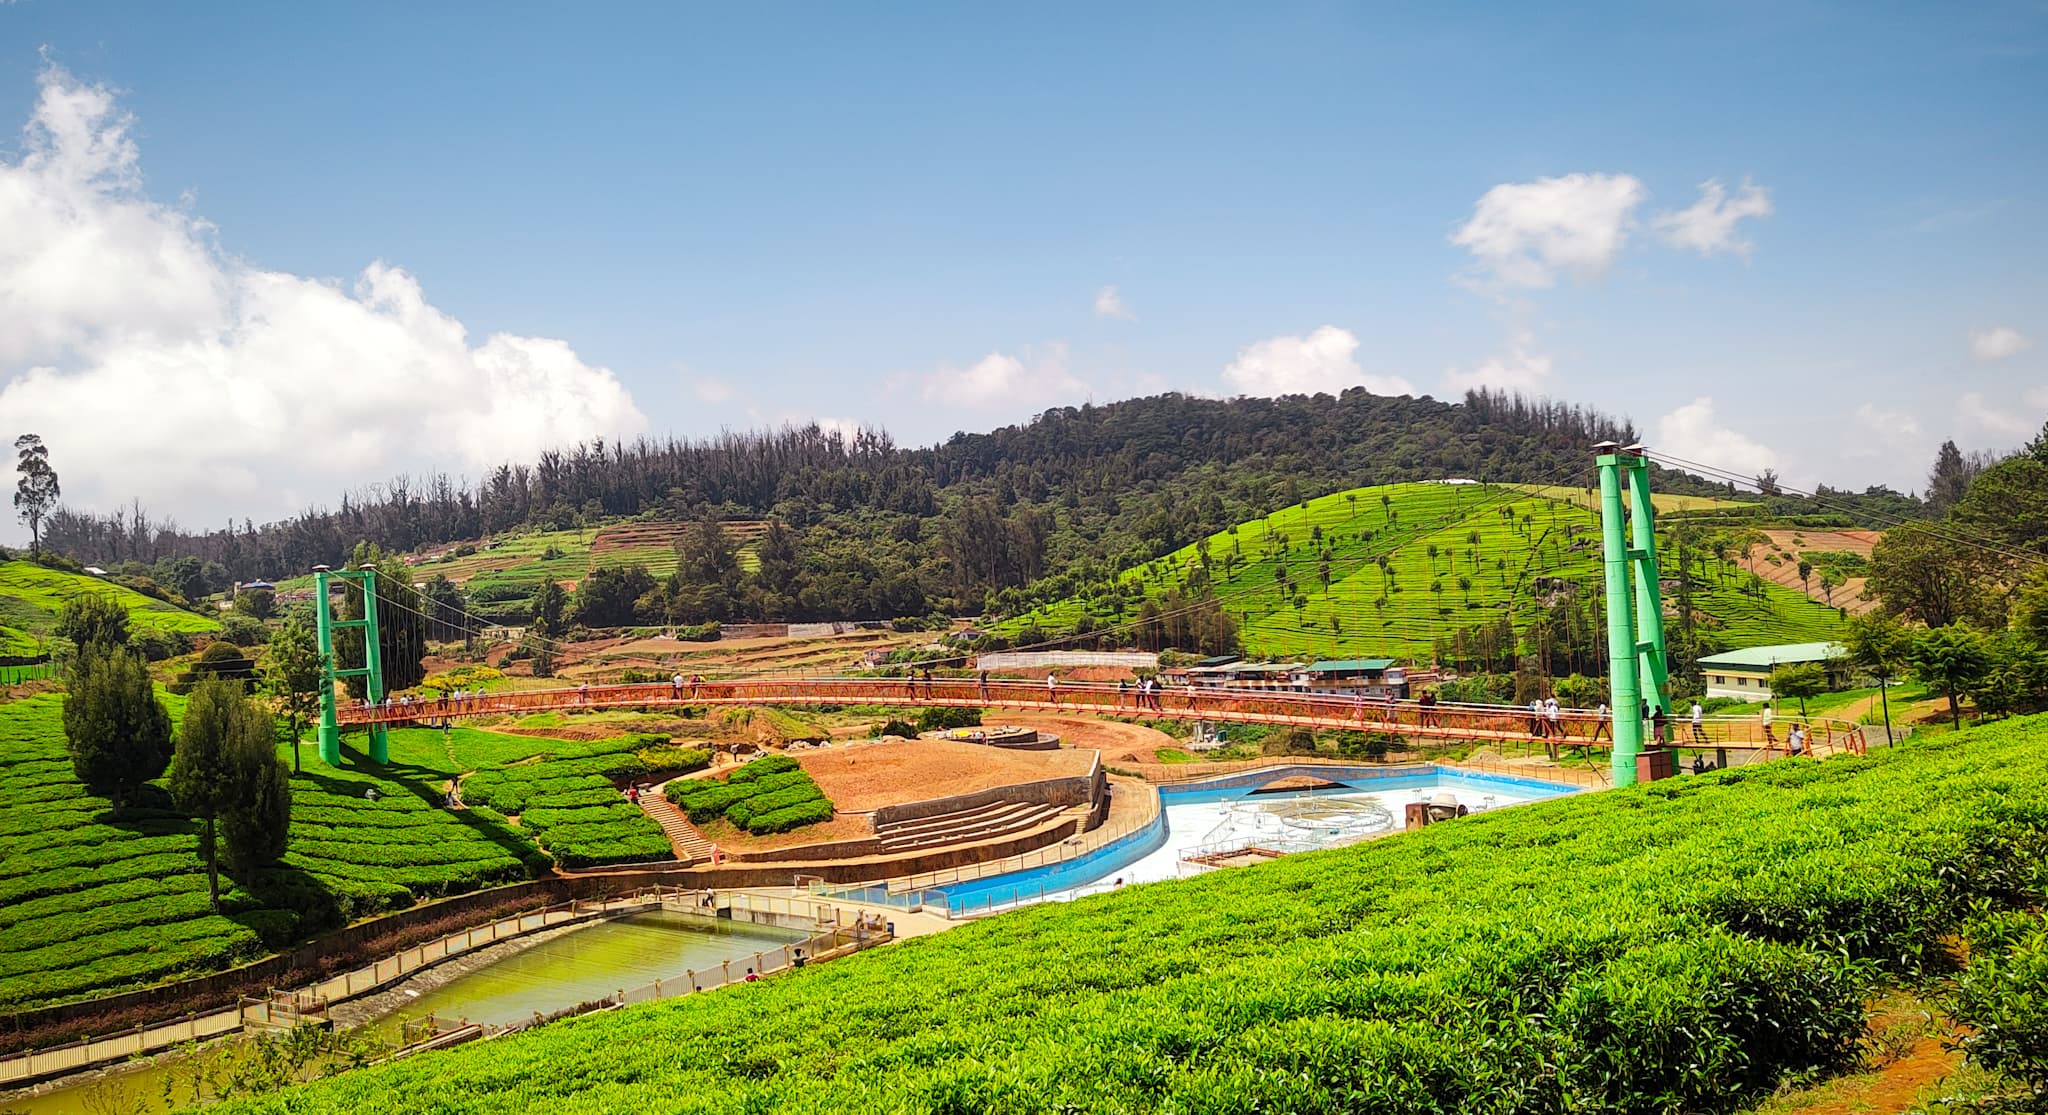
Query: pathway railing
{"points": [[279, 1007], [1284, 707]]}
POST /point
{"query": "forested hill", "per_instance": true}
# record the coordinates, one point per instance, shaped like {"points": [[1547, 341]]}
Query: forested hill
{"points": [[1077, 492]]}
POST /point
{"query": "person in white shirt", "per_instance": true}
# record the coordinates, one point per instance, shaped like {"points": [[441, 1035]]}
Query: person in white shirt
{"points": [[1765, 717], [1554, 715], [1699, 723], [1795, 741], [1051, 690], [1603, 721]]}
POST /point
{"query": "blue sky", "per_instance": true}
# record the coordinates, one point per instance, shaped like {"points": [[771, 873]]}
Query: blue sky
{"points": [[548, 222]]}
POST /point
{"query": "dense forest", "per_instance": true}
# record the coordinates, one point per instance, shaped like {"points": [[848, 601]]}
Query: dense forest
{"points": [[982, 522]]}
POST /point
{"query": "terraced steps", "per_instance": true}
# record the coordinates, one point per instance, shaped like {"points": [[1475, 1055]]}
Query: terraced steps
{"points": [[690, 845], [967, 825]]}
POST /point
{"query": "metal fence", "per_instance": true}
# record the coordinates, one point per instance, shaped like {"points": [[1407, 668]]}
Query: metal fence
{"points": [[1476, 723]]}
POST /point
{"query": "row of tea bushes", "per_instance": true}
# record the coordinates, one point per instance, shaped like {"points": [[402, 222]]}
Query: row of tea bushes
{"points": [[769, 795]]}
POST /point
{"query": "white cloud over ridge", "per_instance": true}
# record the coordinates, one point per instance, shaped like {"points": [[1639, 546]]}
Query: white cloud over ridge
{"points": [[1998, 342], [157, 366], [1708, 225], [1323, 361], [1523, 234], [1031, 377], [1109, 304], [1524, 369], [1693, 432]]}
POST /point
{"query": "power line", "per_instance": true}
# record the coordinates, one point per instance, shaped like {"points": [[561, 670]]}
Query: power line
{"points": [[1932, 527]]}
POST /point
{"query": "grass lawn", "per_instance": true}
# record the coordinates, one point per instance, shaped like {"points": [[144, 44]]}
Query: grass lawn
{"points": [[93, 901], [31, 598]]}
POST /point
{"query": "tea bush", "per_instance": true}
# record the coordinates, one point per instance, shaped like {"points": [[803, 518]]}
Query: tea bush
{"points": [[768, 795]]}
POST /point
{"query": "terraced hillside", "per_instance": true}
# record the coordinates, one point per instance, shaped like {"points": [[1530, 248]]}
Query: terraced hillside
{"points": [[93, 901], [1680, 946], [31, 597], [1307, 581]]}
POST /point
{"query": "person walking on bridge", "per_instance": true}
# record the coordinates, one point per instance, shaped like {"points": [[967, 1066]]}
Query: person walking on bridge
{"points": [[984, 685], [1699, 723], [676, 686], [1764, 717], [1603, 722], [1052, 694]]}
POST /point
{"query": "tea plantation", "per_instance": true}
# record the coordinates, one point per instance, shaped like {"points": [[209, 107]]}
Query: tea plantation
{"points": [[1457, 556], [93, 902], [31, 596], [1682, 946]]}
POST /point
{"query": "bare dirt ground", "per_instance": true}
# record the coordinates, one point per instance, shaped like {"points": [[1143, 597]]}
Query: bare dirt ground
{"points": [[1848, 594], [862, 779], [1118, 742]]}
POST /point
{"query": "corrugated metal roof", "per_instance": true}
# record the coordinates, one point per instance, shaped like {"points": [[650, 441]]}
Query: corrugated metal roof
{"points": [[1350, 665], [1784, 654]]}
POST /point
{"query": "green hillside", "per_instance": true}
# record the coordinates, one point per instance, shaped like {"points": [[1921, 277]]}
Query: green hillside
{"points": [[1498, 551], [93, 901], [32, 596], [1570, 955]]}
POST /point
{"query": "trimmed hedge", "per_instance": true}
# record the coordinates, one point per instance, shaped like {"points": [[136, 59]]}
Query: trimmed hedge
{"points": [[774, 786]]}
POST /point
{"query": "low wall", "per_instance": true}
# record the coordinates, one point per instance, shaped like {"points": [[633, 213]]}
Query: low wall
{"points": [[1074, 789]]}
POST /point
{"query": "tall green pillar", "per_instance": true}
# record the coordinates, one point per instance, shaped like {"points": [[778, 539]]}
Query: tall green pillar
{"points": [[1642, 555], [372, 669], [1625, 692]]}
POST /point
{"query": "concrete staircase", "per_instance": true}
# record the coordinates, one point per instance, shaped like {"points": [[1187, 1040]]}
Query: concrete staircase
{"points": [[690, 845], [965, 826]]}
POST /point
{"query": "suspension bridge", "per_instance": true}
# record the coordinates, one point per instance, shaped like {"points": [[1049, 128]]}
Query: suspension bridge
{"points": [[1574, 728]]}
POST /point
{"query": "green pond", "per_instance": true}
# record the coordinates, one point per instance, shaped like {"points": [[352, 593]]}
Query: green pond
{"points": [[589, 963]]}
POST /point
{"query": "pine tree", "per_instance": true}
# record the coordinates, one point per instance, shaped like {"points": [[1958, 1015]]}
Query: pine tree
{"points": [[225, 773], [117, 731], [293, 676]]}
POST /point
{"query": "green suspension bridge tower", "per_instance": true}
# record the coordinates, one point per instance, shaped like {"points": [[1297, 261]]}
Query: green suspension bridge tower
{"points": [[372, 669], [1635, 612]]}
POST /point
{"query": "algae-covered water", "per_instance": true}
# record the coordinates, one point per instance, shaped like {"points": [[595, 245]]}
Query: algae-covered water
{"points": [[576, 967]]}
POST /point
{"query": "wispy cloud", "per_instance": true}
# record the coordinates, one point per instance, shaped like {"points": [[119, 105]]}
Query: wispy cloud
{"points": [[1998, 342], [1111, 305], [1708, 225]]}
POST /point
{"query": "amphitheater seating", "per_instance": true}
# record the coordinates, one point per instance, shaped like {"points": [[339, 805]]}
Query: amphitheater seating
{"points": [[965, 826]]}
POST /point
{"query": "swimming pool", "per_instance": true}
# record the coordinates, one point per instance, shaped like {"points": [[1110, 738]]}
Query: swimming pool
{"points": [[1190, 815]]}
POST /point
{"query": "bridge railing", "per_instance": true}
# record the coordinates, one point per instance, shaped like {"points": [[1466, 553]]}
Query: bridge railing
{"points": [[1276, 706]]}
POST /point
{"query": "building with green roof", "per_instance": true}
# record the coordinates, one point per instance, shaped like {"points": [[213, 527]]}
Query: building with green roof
{"points": [[1746, 674]]}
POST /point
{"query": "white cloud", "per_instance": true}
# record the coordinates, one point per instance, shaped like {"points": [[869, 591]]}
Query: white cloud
{"points": [[1972, 409], [1523, 233], [1523, 369], [1998, 342], [1032, 376], [711, 389], [1708, 225], [158, 367], [1691, 433], [1109, 304], [1325, 361], [1893, 424]]}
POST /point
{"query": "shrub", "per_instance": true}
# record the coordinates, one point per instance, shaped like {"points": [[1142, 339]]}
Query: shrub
{"points": [[942, 719], [895, 728]]}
